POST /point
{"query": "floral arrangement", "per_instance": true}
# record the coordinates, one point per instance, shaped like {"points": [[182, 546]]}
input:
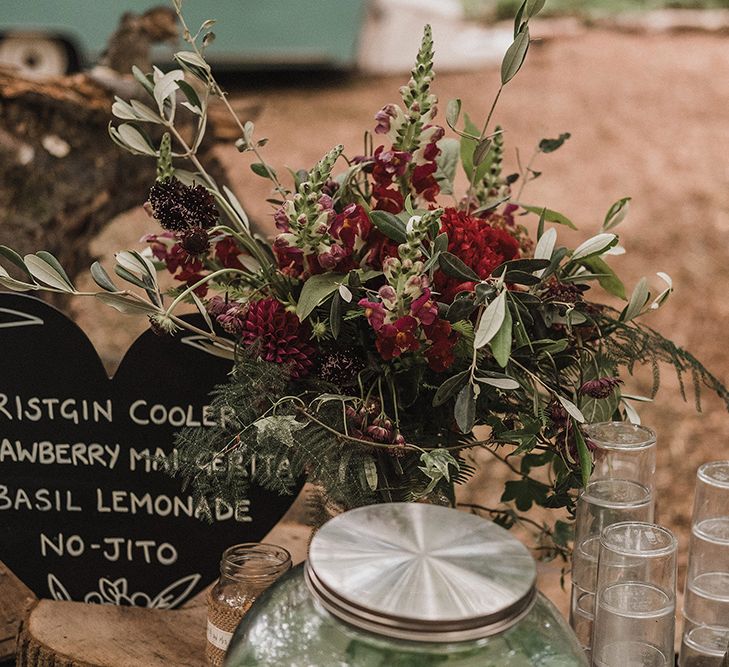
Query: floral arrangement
{"points": [[392, 326]]}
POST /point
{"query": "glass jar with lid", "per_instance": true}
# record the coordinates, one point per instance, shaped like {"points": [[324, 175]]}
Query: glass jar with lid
{"points": [[413, 585], [246, 571]]}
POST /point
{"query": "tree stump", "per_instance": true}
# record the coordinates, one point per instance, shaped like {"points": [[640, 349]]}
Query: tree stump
{"points": [[74, 634], [16, 599]]}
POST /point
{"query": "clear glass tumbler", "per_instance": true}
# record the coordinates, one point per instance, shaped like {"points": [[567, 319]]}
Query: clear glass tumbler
{"points": [[636, 597], [706, 600], [621, 488]]}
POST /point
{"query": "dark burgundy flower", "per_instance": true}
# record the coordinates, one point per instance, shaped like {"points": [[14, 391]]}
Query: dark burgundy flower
{"points": [[424, 308], [278, 335], [600, 387], [565, 292], [384, 117], [233, 318], [351, 224], [397, 338], [217, 305], [194, 241], [391, 163], [374, 312], [476, 243], [227, 252], [388, 199], [379, 248], [424, 182], [177, 206], [290, 259], [442, 340]]}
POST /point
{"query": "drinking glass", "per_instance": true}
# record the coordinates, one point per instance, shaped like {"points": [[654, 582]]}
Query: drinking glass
{"points": [[621, 450], [706, 599], [635, 601], [620, 489]]}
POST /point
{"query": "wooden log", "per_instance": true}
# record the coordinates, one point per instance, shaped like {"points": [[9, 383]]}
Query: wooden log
{"points": [[16, 600], [74, 634], [62, 179]]}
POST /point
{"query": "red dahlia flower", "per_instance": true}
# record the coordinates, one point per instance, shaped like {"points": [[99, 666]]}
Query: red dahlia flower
{"points": [[475, 242], [279, 334]]}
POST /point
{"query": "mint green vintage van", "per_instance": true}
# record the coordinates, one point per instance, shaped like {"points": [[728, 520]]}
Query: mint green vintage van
{"points": [[48, 37]]}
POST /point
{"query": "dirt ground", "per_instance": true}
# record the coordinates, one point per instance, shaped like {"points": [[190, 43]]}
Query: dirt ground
{"points": [[649, 117]]}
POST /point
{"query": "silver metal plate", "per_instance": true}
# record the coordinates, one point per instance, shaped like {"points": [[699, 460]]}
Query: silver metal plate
{"points": [[413, 570]]}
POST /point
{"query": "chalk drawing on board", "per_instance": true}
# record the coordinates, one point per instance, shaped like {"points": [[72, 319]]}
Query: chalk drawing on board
{"points": [[117, 593], [24, 321]]}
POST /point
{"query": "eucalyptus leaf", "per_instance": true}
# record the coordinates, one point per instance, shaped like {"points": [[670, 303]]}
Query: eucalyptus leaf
{"points": [[441, 243], [519, 266], [584, 454], [191, 58], [165, 87], [481, 151], [134, 139], [616, 213], [465, 409], [501, 342], [144, 113], [143, 80], [504, 382], [449, 387], [515, 55], [345, 293], [130, 277], [550, 215], [191, 95], [460, 309], [661, 298], [551, 145], [316, 289], [447, 164], [260, 169], [14, 258], [335, 316], [102, 279], [126, 304], [454, 266], [237, 207], [46, 274], [571, 409], [607, 278], [596, 245], [13, 284], [390, 225], [533, 7], [203, 311], [48, 257], [469, 141], [453, 112], [491, 320], [638, 300], [631, 413], [123, 110]]}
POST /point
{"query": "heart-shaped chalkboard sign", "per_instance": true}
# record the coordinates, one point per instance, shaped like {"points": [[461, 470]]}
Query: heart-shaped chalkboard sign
{"points": [[85, 513]]}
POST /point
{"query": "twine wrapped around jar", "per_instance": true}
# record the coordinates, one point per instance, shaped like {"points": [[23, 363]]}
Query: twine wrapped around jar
{"points": [[246, 570]]}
